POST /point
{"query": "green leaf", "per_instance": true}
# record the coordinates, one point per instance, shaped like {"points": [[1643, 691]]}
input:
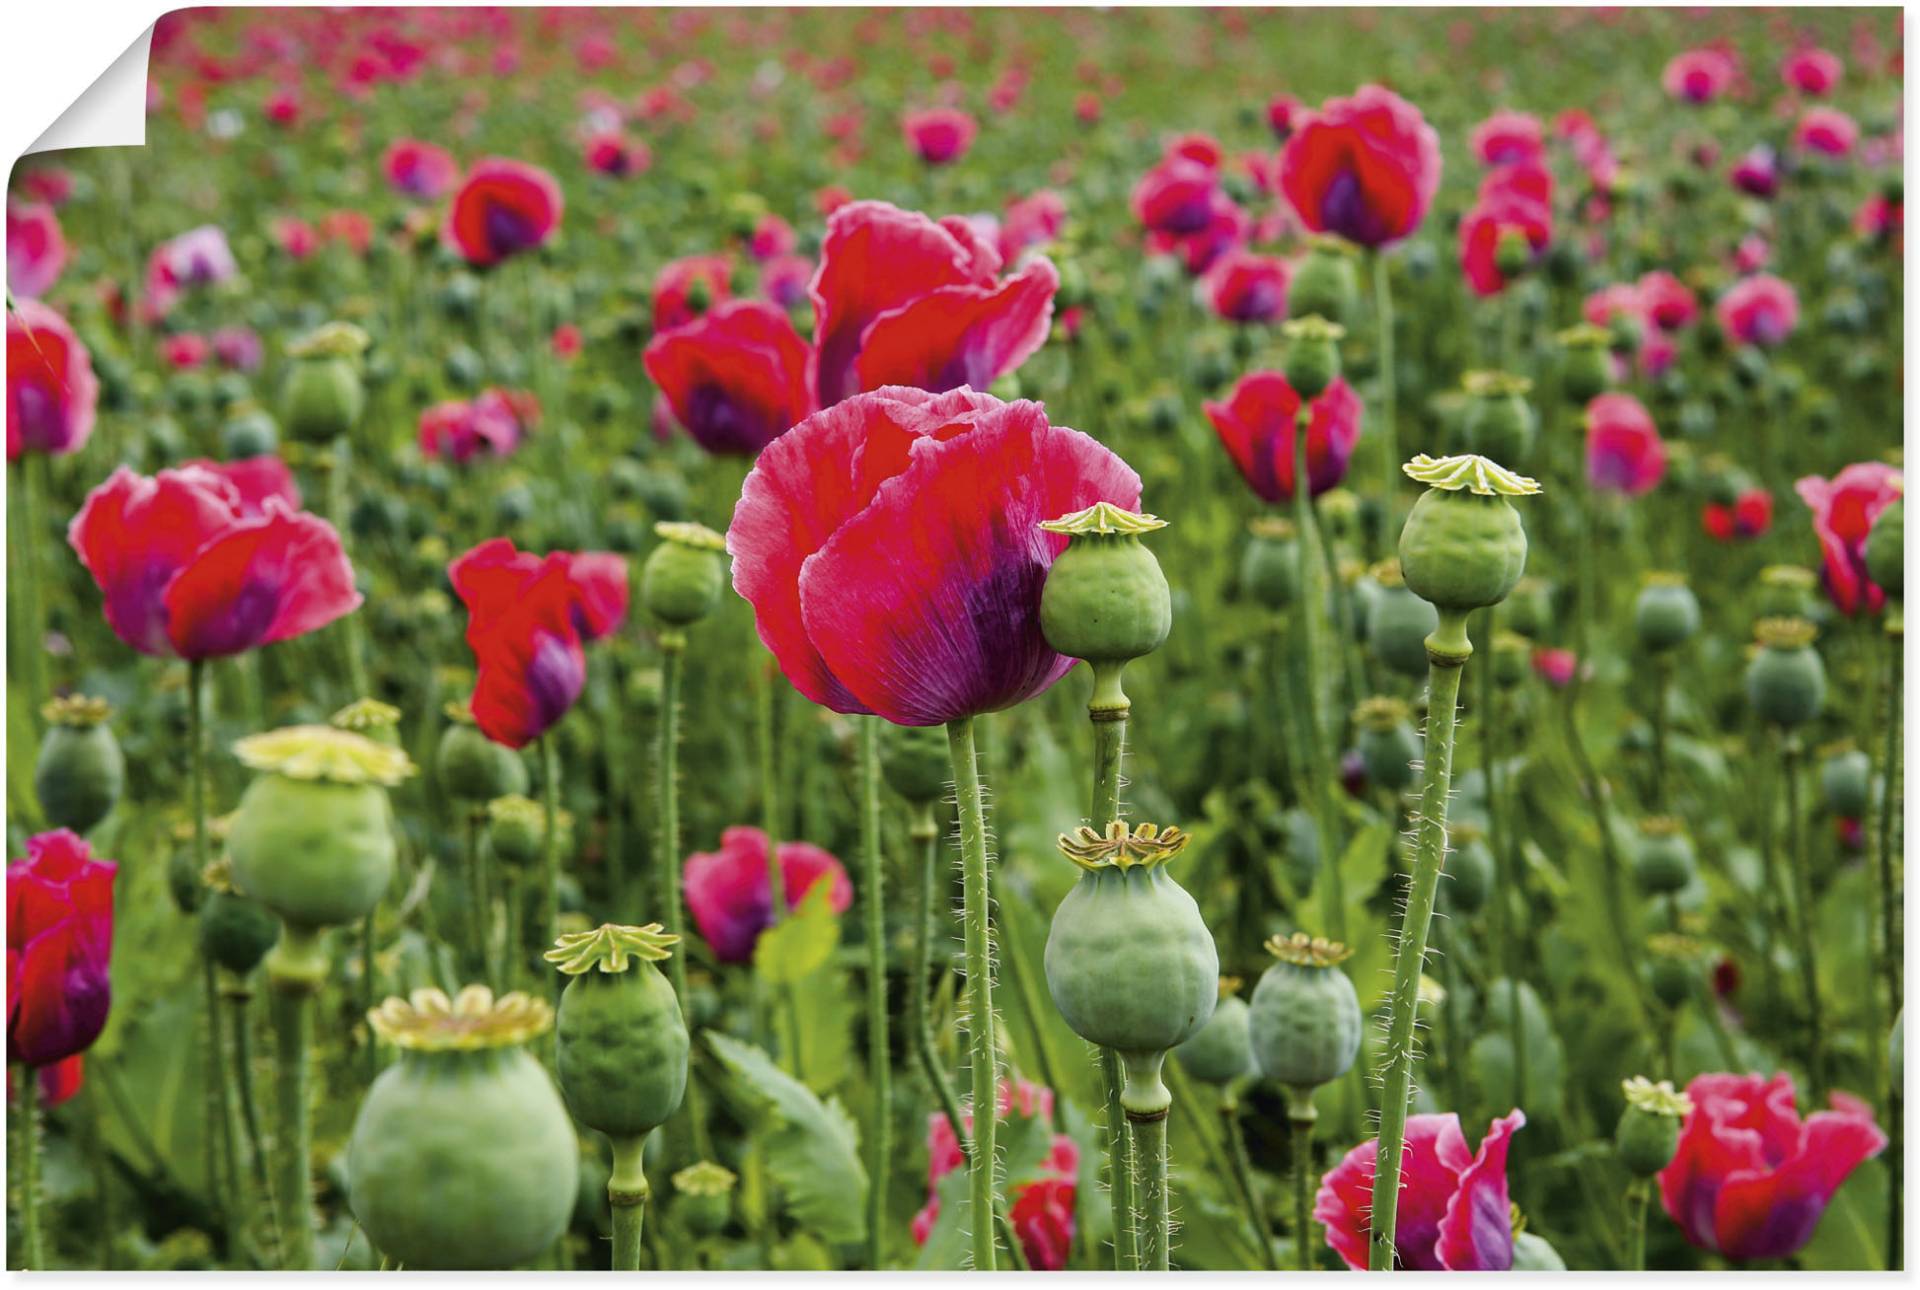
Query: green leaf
{"points": [[802, 942], [813, 1148]]}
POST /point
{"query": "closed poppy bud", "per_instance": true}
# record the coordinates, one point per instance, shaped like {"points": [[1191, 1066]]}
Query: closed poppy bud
{"points": [[1105, 599], [683, 578], [1663, 861], [1667, 614], [1649, 1129], [703, 1197], [1313, 354], [1399, 622], [1270, 565], [1886, 555], [324, 396], [1463, 546], [620, 1041], [1846, 779], [1305, 1017], [1786, 682], [1325, 283], [81, 769], [1512, 253], [1388, 745], [1673, 968], [473, 768], [236, 931], [1498, 422], [916, 762], [1470, 869]]}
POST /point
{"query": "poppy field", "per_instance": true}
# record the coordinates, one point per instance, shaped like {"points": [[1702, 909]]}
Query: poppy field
{"points": [[962, 639]]}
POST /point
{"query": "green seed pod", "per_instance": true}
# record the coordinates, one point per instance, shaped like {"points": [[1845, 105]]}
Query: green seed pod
{"points": [[313, 838], [1105, 599], [1649, 1129], [1531, 1253], [1388, 745], [462, 1155], [1270, 564], [1512, 658], [81, 770], [1463, 547], [1673, 968], [1305, 1019], [620, 1042], [703, 1197], [1786, 681], [1469, 871], [235, 932], [1667, 614], [684, 577], [472, 768], [1886, 554], [324, 397], [915, 762], [184, 882], [1586, 369], [1325, 283], [1528, 609], [1399, 623], [1313, 355], [1498, 422], [1846, 781], [248, 432], [1220, 1051], [1786, 591], [1129, 960], [1663, 860], [517, 829]]}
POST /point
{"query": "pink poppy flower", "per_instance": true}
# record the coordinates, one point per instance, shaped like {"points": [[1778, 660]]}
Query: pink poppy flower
{"points": [[1176, 196], [1557, 667], [736, 378], [731, 899], [283, 108], [1827, 131], [1618, 300], [772, 238], [1495, 221], [1248, 288], [1668, 301], [238, 348], [1284, 112], [939, 135], [1811, 71], [784, 279], [1042, 1208], [688, 287], [1031, 221], [185, 350], [1757, 173], [1698, 75], [1748, 516], [1257, 424], [1454, 1214], [1508, 137], [36, 250], [1227, 228], [296, 238], [612, 153], [59, 941], [902, 300], [1761, 310], [1624, 452], [1364, 167], [1880, 218], [419, 170], [255, 479], [1844, 509], [1751, 1179], [52, 392], [1752, 254], [504, 207], [944, 626]]}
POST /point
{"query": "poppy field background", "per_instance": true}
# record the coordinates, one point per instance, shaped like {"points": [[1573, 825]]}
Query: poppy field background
{"points": [[592, 263]]}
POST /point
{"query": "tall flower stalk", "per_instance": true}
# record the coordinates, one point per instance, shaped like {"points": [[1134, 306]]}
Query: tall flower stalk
{"points": [[975, 915], [872, 894]]}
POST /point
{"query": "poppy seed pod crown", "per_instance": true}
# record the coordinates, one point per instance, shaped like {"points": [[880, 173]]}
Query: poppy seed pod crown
{"points": [[1463, 546]]}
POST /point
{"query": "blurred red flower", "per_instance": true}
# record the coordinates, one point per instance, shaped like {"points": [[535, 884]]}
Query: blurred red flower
{"points": [[1827, 131], [420, 170], [1760, 310], [736, 378], [1747, 516], [688, 287], [1042, 1207], [1698, 75], [1811, 71], [59, 941], [504, 207], [1454, 1208], [1844, 509], [36, 250], [1624, 452], [939, 135], [1175, 196], [1757, 173], [1498, 219], [1669, 302], [1364, 167], [613, 153], [1257, 424], [51, 389], [1507, 138], [730, 893], [1283, 114], [1245, 287]]}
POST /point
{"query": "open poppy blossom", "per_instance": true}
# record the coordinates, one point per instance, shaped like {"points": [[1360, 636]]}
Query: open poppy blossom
{"points": [[528, 619], [1364, 167], [1245, 287], [730, 896], [190, 569], [737, 378], [891, 549], [1624, 451], [1454, 1212], [1506, 138], [1496, 221], [615, 154], [1031, 221], [503, 208], [1844, 509], [51, 389], [1751, 1179], [418, 169], [1698, 75], [1041, 1211], [1669, 302], [257, 480], [1757, 172], [200, 257], [1175, 196], [1827, 131], [1198, 252], [1811, 71], [902, 300], [59, 941], [1748, 515], [686, 288], [1257, 424], [1760, 310], [491, 425], [36, 251], [939, 135]]}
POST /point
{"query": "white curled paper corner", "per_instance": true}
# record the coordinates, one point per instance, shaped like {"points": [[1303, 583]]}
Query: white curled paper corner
{"points": [[111, 112]]}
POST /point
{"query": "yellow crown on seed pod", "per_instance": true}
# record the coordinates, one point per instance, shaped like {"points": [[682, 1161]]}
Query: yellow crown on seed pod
{"points": [[688, 533], [1104, 518], [1119, 848], [1303, 950], [427, 1021], [1659, 1099], [610, 946], [1469, 470], [81, 711], [322, 752]]}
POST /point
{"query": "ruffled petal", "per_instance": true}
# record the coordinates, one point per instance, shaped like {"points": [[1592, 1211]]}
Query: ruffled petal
{"points": [[1476, 1232], [1344, 1201], [1771, 1215], [959, 336], [256, 479], [263, 580], [1711, 1148], [737, 378], [1436, 1155], [135, 534]]}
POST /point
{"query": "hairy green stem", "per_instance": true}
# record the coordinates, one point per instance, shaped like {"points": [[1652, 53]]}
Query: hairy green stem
{"points": [[1316, 782], [1443, 697], [1300, 1120], [924, 832], [1109, 711], [1120, 1169], [239, 996], [673, 646], [627, 1194], [550, 841], [214, 1097], [31, 469], [26, 1082], [879, 1149], [983, 1062], [1156, 1230], [1383, 323], [767, 721], [295, 969], [354, 637], [1800, 868]]}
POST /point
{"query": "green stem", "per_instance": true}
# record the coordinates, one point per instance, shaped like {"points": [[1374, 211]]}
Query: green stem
{"points": [[355, 632], [1156, 1232], [1109, 712], [1300, 1120], [1890, 897], [627, 1194], [879, 1149], [1443, 697], [1316, 781], [550, 842], [924, 832], [1243, 1175], [239, 997], [295, 969], [673, 647], [767, 721], [1802, 875], [1662, 670], [26, 1080], [1637, 1194], [1383, 322], [478, 913], [231, 1194], [1120, 1179], [214, 1097], [983, 1063]]}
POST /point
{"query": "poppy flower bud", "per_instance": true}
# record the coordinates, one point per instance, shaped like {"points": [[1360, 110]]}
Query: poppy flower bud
{"points": [[1673, 968], [1786, 682], [682, 580], [1305, 1017], [1649, 1129], [1463, 546], [1886, 558], [1846, 781], [1105, 598], [235, 931], [1399, 622], [472, 768], [1529, 608], [1325, 283], [1313, 354], [1663, 860], [1269, 564], [249, 431], [1470, 869], [916, 762], [313, 837], [324, 396], [1388, 745], [1786, 591], [620, 1042], [703, 1197], [1222, 1050], [81, 770], [1340, 514], [1666, 614], [1498, 422], [517, 828], [1512, 658]]}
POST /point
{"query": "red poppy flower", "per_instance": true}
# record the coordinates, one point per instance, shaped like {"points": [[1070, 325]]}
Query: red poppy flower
{"points": [[420, 170], [255, 480], [51, 389], [1844, 509], [1757, 173], [736, 378], [59, 940], [1042, 1217], [1761, 310], [1454, 1214], [504, 207], [185, 350], [891, 549], [1283, 114], [729, 895], [351, 229], [1698, 75], [1031, 221], [784, 280], [1244, 287], [296, 238], [1616, 300], [1556, 667], [239, 348], [50, 184], [454, 431], [1881, 219], [686, 288], [1751, 1180], [1176, 196], [36, 251], [1624, 452], [1257, 424], [1226, 228], [1042, 1209], [528, 619], [772, 238], [1492, 222], [613, 153], [1747, 516], [1669, 302], [1526, 180], [1508, 137], [1825, 130], [566, 341], [189, 568], [1364, 167], [1811, 71], [939, 135], [902, 300]]}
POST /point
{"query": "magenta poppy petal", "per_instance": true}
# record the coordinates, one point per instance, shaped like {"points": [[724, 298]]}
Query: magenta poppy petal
{"points": [[261, 581], [1476, 1233], [1772, 1214], [1344, 1201], [134, 534], [737, 378], [1436, 1155], [960, 335]]}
